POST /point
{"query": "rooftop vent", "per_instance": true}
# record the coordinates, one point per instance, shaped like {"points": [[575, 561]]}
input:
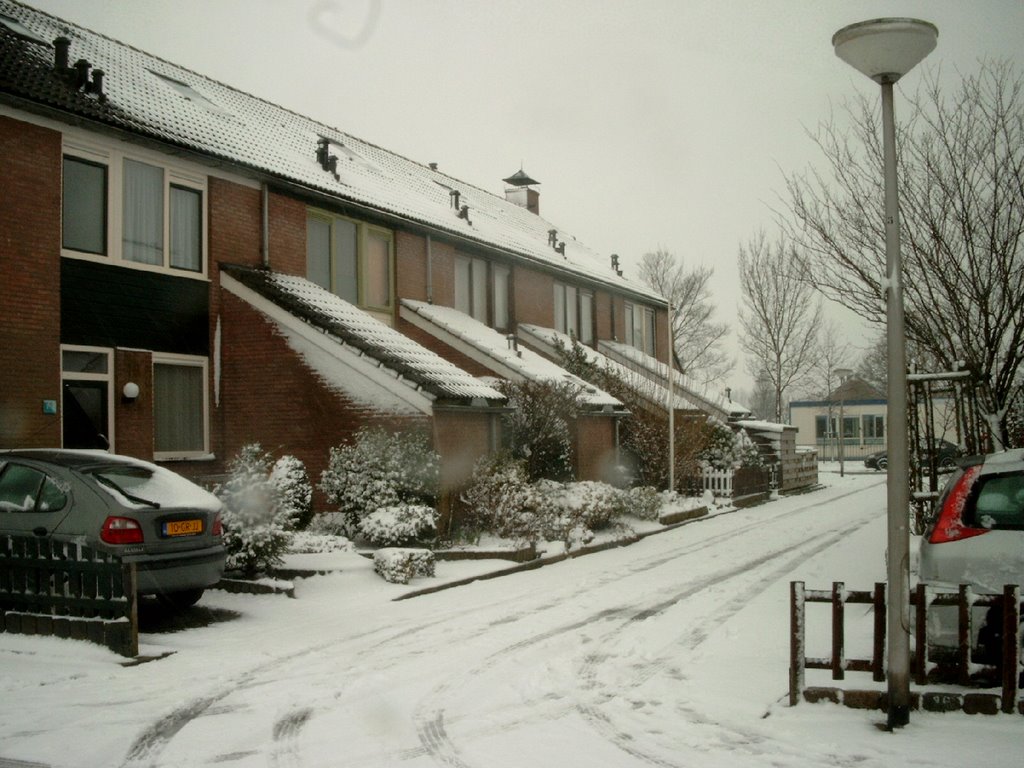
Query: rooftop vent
{"points": [[327, 159], [553, 237], [615, 264], [520, 192], [81, 76], [454, 195]]}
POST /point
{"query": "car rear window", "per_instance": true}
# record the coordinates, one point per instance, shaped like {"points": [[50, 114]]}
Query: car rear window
{"points": [[999, 502], [152, 486]]}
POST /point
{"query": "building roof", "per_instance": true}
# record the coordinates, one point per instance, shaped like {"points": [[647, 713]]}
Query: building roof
{"points": [[853, 391], [648, 366], [149, 97], [496, 352], [644, 374], [408, 362]]}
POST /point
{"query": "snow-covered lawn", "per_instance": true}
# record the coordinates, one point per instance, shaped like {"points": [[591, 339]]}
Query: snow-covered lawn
{"points": [[669, 652]]}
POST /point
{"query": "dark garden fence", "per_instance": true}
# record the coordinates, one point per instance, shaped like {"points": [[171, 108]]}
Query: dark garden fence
{"points": [[962, 667], [67, 589]]}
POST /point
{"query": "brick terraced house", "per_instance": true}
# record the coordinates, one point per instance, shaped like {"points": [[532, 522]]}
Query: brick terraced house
{"points": [[186, 268]]}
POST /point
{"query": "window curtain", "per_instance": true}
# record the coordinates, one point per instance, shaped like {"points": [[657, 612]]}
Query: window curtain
{"points": [[143, 213], [560, 308], [463, 303], [346, 275], [186, 229], [178, 408], [479, 270], [501, 280]]}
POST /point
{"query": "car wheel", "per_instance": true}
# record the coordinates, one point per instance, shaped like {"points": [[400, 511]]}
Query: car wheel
{"points": [[179, 601], [883, 463]]}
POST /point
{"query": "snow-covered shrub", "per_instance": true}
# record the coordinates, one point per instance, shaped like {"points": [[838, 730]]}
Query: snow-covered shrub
{"points": [[292, 481], [537, 427], [256, 519], [312, 543], [727, 449], [496, 500], [380, 469], [400, 524], [644, 502], [397, 565]]}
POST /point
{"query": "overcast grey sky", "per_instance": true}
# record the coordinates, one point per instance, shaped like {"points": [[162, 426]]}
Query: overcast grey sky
{"points": [[648, 123]]}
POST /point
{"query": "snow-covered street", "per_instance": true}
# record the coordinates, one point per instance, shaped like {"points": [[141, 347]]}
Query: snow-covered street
{"points": [[669, 652]]}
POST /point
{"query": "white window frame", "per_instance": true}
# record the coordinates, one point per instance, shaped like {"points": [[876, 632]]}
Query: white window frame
{"points": [[107, 377], [173, 176], [363, 233], [194, 361], [636, 328]]}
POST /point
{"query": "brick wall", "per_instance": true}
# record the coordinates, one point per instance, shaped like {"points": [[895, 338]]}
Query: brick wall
{"points": [[594, 450], [30, 170], [411, 266], [269, 395], [287, 235], [534, 297], [461, 438], [133, 420]]}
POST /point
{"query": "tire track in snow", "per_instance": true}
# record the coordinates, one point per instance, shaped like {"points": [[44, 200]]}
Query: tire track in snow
{"points": [[762, 579], [147, 747], [427, 712]]}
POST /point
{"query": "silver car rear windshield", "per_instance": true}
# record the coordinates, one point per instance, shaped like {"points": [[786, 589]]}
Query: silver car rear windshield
{"points": [[153, 487]]}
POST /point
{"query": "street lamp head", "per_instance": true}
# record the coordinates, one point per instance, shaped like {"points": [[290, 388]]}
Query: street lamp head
{"points": [[885, 49]]}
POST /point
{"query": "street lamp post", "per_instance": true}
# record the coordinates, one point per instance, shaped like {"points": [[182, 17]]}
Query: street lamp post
{"points": [[885, 50]]}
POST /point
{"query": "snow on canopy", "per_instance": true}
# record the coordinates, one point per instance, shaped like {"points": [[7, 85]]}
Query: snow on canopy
{"points": [[494, 350], [644, 374], [419, 367], [151, 97]]}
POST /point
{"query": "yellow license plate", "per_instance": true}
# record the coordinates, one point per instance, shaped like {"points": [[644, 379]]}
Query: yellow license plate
{"points": [[183, 528]]}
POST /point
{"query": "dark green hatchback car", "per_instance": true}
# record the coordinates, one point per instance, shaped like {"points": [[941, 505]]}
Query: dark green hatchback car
{"points": [[146, 514]]}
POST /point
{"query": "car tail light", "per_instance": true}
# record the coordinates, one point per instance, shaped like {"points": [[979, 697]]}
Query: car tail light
{"points": [[121, 530], [950, 524], [218, 527]]}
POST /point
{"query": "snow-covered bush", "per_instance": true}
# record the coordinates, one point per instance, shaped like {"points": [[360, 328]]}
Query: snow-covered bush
{"points": [[496, 500], [397, 565], [644, 502], [309, 542], [292, 481], [257, 521], [537, 427], [380, 469], [571, 512], [727, 449], [400, 524]]}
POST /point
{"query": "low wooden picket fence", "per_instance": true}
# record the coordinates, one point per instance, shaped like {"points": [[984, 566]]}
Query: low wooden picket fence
{"points": [[922, 599], [67, 589]]}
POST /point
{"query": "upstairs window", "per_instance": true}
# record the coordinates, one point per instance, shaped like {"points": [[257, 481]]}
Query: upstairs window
{"points": [[640, 328], [351, 259], [574, 312], [482, 291], [132, 211]]}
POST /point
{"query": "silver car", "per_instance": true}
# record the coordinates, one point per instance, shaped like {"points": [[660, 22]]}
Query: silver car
{"points": [[168, 526], [976, 538]]}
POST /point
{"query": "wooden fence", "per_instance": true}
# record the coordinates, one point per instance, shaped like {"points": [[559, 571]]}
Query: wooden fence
{"points": [[1006, 668], [745, 485], [67, 589]]}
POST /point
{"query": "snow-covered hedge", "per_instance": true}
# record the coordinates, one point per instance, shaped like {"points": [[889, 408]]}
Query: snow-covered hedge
{"points": [[380, 469], [536, 427], [644, 502], [290, 476], [400, 524], [496, 500], [257, 518], [398, 564], [727, 449]]}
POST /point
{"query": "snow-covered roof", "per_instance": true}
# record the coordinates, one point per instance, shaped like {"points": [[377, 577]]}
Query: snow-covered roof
{"points": [[685, 387], [409, 364], [150, 97], [494, 350]]}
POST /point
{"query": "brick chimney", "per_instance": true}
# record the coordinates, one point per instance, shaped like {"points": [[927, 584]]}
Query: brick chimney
{"points": [[521, 192]]}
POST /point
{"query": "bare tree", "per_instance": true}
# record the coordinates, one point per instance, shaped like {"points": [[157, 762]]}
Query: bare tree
{"points": [[781, 315], [962, 217], [698, 338], [833, 356]]}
